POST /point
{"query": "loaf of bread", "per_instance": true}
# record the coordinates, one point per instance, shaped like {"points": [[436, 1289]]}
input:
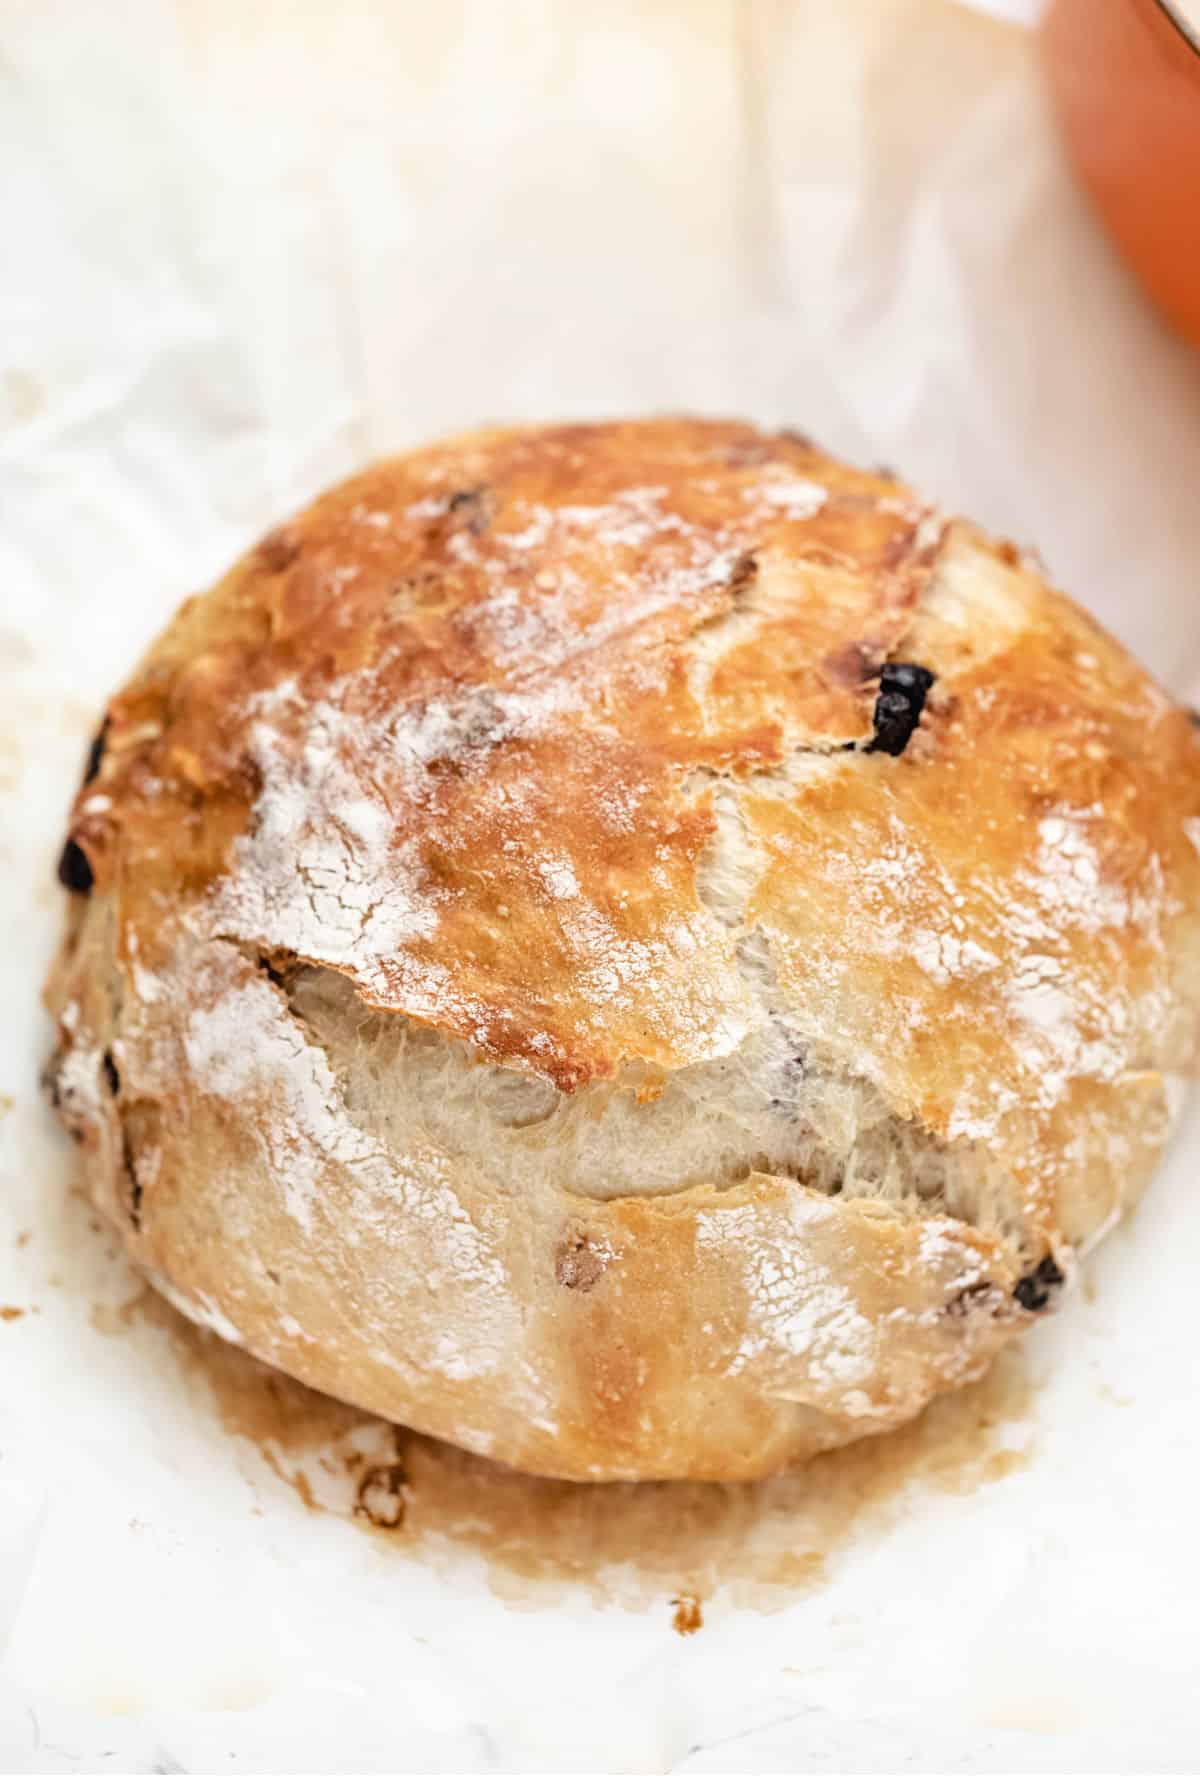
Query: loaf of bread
{"points": [[635, 948]]}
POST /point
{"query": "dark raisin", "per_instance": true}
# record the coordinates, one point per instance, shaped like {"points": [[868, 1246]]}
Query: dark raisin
{"points": [[902, 693], [1034, 1291], [470, 505], [91, 769], [110, 1072], [1193, 716], [1030, 1294], [74, 870]]}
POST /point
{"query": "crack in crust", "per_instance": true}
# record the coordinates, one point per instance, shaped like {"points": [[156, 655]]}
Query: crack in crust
{"points": [[769, 1109], [134, 1188]]}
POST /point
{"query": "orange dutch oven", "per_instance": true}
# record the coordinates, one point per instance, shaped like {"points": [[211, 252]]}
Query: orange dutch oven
{"points": [[1125, 80]]}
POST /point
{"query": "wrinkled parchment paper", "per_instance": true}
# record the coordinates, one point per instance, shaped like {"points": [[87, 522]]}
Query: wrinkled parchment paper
{"points": [[247, 247]]}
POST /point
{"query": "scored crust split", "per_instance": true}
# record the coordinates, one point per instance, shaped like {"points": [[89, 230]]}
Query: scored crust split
{"points": [[635, 948]]}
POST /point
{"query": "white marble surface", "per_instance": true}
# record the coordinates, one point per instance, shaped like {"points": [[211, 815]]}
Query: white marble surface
{"points": [[248, 247]]}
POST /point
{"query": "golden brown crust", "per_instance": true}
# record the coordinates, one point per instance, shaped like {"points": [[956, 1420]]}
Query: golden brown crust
{"points": [[458, 732], [516, 608]]}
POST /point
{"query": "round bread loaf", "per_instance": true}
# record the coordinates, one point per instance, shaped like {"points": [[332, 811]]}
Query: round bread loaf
{"points": [[635, 948]]}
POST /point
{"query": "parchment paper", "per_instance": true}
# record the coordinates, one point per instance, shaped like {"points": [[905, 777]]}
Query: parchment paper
{"points": [[245, 248]]}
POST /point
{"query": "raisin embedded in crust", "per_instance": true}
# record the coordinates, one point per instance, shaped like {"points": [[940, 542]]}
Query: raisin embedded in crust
{"points": [[902, 692], [74, 871], [469, 506], [1034, 1291]]}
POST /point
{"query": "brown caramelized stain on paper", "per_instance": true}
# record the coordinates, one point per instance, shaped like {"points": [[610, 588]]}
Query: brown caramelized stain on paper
{"points": [[688, 1617], [675, 1542]]}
